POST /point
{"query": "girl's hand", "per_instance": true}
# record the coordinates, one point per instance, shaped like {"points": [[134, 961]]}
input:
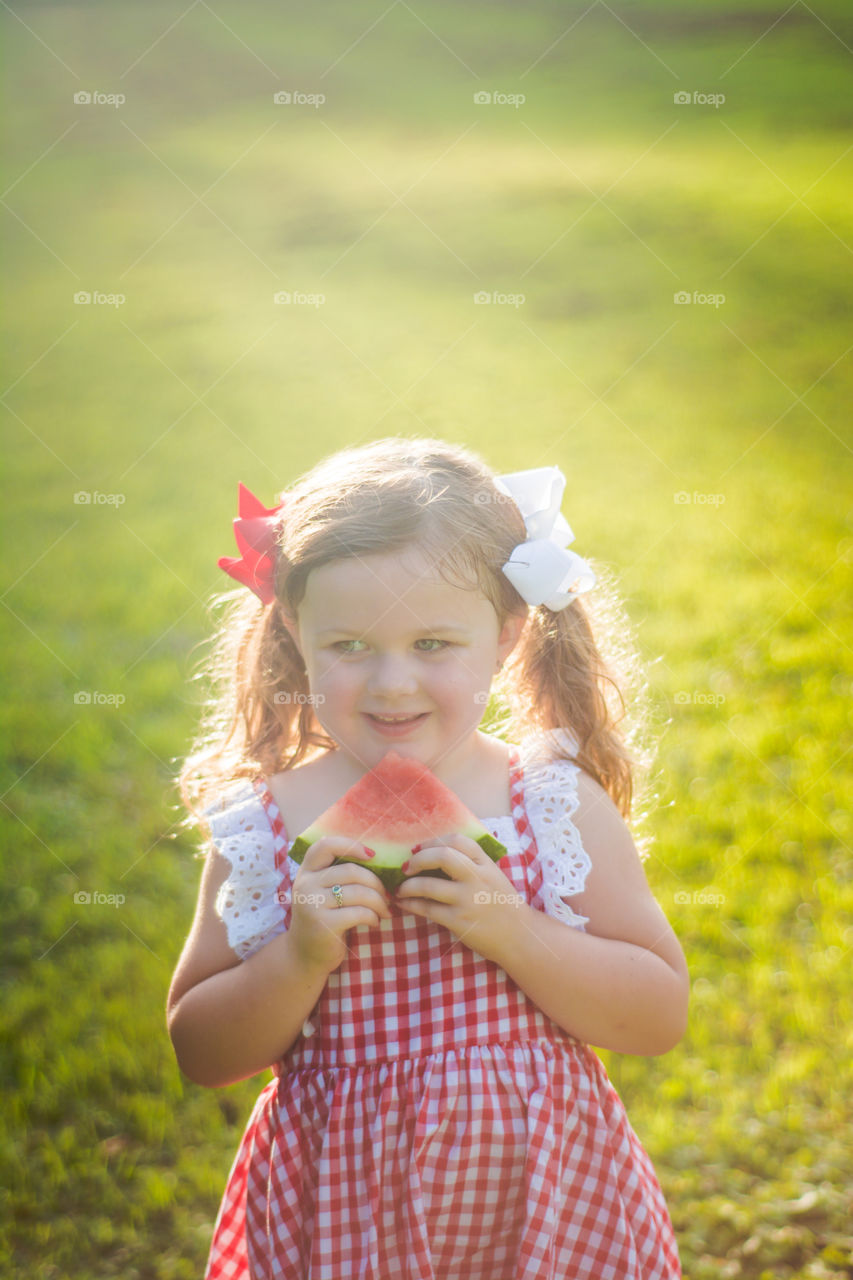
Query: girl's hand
{"points": [[478, 904], [317, 923]]}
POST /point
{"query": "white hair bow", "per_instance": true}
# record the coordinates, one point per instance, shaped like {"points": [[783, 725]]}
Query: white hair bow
{"points": [[542, 569]]}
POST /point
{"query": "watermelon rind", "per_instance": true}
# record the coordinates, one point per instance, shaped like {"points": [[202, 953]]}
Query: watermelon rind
{"points": [[492, 847], [390, 857]]}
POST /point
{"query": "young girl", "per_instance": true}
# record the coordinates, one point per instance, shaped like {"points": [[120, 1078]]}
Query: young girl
{"points": [[436, 1112]]}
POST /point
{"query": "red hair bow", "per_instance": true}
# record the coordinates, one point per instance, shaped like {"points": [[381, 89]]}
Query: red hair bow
{"points": [[255, 530]]}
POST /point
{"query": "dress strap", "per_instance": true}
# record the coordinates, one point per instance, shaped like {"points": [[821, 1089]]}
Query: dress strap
{"points": [[275, 820], [529, 856], [523, 825]]}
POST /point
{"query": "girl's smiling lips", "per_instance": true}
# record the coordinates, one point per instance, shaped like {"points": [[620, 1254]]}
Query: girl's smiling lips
{"points": [[396, 727]]}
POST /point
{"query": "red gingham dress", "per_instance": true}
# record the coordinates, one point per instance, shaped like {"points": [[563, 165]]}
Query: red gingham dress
{"points": [[437, 1125]]}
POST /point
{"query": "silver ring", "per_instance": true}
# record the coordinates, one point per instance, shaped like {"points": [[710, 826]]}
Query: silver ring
{"points": [[339, 897]]}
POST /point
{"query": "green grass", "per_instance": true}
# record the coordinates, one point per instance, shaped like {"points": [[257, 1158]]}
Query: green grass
{"points": [[114, 1163]]}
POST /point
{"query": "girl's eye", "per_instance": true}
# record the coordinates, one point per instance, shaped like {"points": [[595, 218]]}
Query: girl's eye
{"points": [[431, 640]]}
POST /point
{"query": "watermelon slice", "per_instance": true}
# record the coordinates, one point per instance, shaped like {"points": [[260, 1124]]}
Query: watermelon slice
{"points": [[398, 804]]}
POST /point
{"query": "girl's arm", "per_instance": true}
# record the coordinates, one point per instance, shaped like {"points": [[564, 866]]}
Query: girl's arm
{"points": [[622, 984], [227, 1018]]}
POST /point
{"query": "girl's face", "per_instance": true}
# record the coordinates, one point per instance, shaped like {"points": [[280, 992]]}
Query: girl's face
{"points": [[385, 635]]}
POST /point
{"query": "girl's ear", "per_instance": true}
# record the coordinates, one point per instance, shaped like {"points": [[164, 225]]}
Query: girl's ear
{"points": [[510, 635], [291, 626]]}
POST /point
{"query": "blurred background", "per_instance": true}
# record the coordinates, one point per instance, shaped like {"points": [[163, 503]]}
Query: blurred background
{"points": [[612, 237]]}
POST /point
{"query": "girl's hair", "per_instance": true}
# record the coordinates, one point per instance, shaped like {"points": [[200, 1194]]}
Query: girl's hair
{"points": [[578, 668]]}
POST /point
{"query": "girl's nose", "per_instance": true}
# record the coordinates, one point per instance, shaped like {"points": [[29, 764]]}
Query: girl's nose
{"points": [[392, 676]]}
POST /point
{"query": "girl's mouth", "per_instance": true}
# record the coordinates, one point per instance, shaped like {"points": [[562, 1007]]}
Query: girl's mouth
{"points": [[394, 726]]}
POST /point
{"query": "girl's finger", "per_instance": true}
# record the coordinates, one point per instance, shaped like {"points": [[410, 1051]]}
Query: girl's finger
{"points": [[426, 886], [349, 873], [454, 860], [322, 852], [354, 894], [461, 843]]}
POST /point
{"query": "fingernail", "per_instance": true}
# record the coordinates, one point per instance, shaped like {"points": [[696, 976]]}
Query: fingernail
{"points": [[405, 865], [371, 853], [417, 848]]}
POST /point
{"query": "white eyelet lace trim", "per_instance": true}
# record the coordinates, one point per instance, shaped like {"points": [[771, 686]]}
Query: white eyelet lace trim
{"points": [[250, 902], [551, 797]]}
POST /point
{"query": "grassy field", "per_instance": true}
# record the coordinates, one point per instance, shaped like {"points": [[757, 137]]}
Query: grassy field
{"points": [[707, 449]]}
